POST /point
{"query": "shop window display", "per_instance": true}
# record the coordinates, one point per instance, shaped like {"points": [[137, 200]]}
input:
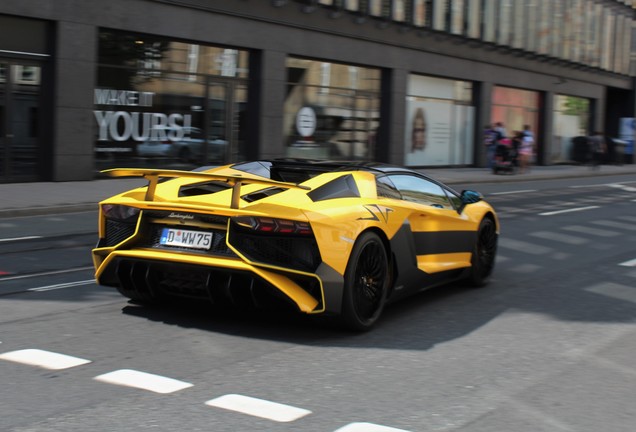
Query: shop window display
{"points": [[167, 103], [331, 110]]}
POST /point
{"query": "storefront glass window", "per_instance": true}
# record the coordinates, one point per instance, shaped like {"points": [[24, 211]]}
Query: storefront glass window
{"points": [[334, 117], [167, 103], [439, 123], [515, 108], [571, 118]]}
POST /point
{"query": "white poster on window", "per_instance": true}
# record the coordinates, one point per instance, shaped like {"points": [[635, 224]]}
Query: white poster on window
{"points": [[628, 133], [428, 133]]}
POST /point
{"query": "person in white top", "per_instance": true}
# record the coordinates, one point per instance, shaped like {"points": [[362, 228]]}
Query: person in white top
{"points": [[526, 150]]}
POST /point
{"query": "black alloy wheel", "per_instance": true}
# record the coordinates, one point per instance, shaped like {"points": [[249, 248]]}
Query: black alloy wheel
{"points": [[366, 283], [483, 259]]}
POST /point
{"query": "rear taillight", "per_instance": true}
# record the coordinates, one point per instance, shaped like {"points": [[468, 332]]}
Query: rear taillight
{"points": [[274, 226], [120, 212]]}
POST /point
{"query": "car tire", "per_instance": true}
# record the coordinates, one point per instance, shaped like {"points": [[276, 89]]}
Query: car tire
{"points": [[366, 283], [484, 253]]}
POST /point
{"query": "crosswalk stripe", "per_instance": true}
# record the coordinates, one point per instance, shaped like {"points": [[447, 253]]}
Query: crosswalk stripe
{"points": [[591, 230], [522, 246], [367, 427], [44, 359], [258, 408], [617, 291], [615, 224], [563, 238], [143, 380]]}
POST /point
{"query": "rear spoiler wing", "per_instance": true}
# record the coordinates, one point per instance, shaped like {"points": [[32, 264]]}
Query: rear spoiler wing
{"points": [[153, 176]]}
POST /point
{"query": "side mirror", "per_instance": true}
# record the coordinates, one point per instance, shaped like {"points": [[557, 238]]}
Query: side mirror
{"points": [[469, 197]]}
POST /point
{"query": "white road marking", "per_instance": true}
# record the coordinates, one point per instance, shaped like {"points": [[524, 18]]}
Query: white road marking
{"points": [[258, 408], [564, 238], [513, 192], [32, 275], [43, 359], [367, 427], [63, 285], [589, 230], [522, 246], [614, 224], [526, 268], [623, 187], [19, 238], [617, 291], [568, 210], [143, 380], [630, 263]]}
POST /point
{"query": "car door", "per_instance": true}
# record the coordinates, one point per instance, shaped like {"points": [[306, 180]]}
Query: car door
{"points": [[442, 238]]}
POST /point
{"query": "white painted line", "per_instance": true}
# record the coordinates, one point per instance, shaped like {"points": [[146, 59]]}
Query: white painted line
{"points": [[568, 210], [32, 275], [143, 380], [614, 224], [590, 230], [513, 192], [617, 291], [630, 263], [43, 359], [258, 408], [522, 246], [19, 238], [367, 427], [63, 285], [564, 238], [623, 187]]}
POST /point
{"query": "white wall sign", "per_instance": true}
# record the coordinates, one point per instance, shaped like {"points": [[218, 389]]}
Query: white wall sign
{"points": [[306, 122]]}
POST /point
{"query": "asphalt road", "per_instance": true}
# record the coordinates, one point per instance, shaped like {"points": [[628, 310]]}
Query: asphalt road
{"points": [[547, 346]]}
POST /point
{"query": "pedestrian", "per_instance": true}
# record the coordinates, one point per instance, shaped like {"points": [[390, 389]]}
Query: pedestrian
{"points": [[526, 149], [490, 142], [597, 149], [500, 130]]}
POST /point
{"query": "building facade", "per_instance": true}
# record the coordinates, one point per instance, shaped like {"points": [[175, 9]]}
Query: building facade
{"points": [[89, 85]]}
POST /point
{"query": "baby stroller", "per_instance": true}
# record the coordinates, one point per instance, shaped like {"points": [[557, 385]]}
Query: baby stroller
{"points": [[505, 157]]}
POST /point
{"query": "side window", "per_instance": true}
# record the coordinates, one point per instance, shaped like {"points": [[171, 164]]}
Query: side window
{"points": [[421, 191], [386, 188], [454, 199]]}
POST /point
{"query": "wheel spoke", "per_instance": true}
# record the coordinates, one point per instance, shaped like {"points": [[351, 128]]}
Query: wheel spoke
{"points": [[369, 281]]}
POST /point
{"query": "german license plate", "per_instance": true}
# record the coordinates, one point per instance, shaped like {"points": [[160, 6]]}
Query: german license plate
{"points": [[185, 238]]}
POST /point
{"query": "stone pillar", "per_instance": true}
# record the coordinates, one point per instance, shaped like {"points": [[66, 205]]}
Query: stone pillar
{"points": [[545, 135], [272, 100], [391, 138], [75, 74]]}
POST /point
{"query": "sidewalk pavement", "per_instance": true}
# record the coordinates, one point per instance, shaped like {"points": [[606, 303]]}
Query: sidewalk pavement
{"points": [[28, 199]]}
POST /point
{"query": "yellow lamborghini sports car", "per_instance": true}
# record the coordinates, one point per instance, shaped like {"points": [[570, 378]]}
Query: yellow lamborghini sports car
{"points": [[334, 238]]}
